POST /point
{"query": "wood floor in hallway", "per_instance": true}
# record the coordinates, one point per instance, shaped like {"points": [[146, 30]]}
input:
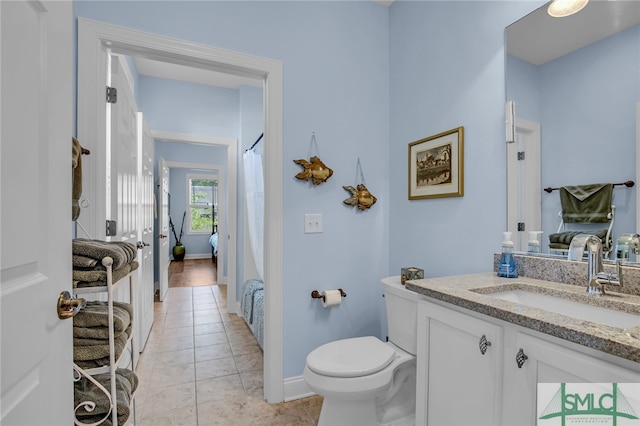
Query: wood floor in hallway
{"points": [[193, 272], [202, 366]]}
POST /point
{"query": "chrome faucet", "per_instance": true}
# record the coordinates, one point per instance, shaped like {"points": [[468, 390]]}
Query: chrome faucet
{"points": [[596, 277]]}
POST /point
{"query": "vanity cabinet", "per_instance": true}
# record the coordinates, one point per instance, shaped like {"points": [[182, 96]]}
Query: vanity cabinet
{"points": [[551, 361], [459, 368], [459, 385]]}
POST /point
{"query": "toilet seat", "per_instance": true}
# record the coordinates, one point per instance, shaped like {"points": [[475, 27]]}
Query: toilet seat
{"points": [[355, 357]]}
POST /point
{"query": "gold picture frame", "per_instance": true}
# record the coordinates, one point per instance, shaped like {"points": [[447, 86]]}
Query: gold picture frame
{"points": [[436, 166]]}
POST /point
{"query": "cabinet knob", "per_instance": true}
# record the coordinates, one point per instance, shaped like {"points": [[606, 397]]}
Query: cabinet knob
{"points": [[521, 358], [483, 344]]}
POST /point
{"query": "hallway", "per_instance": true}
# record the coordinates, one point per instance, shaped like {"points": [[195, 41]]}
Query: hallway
{"points": [[202, 366]]}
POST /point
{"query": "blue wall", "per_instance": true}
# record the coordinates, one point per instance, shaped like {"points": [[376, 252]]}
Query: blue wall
{"points": [[367, 80], [447, 70], [189, 108], [585, 102], [336, 84]]}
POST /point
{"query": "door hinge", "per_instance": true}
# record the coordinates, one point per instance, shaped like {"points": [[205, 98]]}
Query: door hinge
{"points": [[520, 155], [111, 228], [112, 95], [520, 226]]}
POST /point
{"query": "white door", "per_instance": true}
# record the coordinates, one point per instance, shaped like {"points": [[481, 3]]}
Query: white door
{"points": [[144, 283], [524, 187], [163, 226], [35, 225], [122, 199], [122, 171]]}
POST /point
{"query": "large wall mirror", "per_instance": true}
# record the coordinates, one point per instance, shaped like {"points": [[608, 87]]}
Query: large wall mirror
{"points": [[578, 78]]}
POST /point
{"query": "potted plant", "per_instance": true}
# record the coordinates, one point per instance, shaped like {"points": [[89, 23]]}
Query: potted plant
{"points": [[179, 249]]}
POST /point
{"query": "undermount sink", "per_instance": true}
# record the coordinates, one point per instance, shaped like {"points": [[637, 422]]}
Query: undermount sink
{"points": [[559, 303]]}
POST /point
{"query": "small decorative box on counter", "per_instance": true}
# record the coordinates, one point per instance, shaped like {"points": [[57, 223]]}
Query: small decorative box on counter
{"points": [[411, 274]]}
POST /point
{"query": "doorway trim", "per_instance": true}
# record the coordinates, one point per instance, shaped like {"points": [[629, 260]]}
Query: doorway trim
{"points": [[94, 40], [230, 178]]}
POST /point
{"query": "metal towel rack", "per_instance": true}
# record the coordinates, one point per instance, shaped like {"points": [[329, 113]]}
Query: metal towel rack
{"points": [[628, 184]]}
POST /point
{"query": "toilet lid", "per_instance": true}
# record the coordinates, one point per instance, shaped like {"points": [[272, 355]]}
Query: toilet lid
{"points": [[356, 357]]}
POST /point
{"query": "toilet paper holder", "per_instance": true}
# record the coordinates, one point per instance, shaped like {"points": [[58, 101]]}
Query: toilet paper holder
{"points": [[315, 294]]}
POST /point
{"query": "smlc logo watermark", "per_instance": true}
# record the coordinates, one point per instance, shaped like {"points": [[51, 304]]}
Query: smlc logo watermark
{"points": [[616, 404]]}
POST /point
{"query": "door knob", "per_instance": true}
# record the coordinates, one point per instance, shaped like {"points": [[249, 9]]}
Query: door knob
{"points": [[68, 306], [162, 236], [141, 244]]}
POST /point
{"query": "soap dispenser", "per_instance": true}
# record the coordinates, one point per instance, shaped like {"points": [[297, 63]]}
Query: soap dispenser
{"points": [[507, 265], [533, 246], [623, 246]]}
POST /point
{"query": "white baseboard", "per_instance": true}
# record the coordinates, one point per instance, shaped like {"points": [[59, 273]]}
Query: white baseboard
{"points": [[198, 256], [296, 388]]}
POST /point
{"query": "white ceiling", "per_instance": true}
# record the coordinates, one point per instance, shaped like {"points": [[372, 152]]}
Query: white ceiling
{"points": [[538, 38]]}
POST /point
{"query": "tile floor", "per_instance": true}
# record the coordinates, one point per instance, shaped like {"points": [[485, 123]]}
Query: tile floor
{"points": [[202, 366]]}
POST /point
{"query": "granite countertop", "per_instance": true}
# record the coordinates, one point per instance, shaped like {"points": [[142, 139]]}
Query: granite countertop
{"points": [[473, 292]]}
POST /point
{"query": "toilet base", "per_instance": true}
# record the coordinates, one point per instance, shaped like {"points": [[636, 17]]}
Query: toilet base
{"points": [[347, 413]]}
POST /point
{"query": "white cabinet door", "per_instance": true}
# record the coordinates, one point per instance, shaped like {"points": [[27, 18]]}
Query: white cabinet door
{"points": [[547, 362], [460, 373]]}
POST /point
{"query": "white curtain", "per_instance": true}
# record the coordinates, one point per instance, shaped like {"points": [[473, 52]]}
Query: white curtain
{"points": [[254, 190]]}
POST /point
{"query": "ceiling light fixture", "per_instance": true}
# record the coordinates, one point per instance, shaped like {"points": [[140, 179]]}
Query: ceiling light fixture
{"points": [[562, 8]]}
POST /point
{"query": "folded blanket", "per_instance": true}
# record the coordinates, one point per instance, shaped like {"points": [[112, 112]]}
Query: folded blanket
{"points": [[96, 349], [93, 320], [120, 251], [586, 203], [96, 278], [84, 390], [258, 317], [246, 302]]}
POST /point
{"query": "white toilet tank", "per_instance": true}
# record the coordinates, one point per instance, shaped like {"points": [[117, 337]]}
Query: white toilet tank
{"points": [[402, 314]]}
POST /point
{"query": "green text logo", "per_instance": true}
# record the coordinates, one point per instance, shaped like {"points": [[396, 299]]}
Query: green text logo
{"points": [[601, 403]]}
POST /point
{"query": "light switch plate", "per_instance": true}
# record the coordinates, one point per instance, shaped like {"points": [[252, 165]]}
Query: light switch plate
{"points": [[312, 223]]}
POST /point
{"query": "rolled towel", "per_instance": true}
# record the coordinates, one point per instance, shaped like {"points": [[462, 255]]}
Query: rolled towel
{"points": [[120, 251], [84, 390], [93, 363], [95, 333], [84, 262], [96, 349], [96, 315], [95, 278]]}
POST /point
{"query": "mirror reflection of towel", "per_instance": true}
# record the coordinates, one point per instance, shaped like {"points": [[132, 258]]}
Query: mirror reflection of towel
{"points": [[586, 203]]}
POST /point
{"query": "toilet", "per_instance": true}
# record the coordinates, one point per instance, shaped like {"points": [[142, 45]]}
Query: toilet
{"points": [[365, 381]]}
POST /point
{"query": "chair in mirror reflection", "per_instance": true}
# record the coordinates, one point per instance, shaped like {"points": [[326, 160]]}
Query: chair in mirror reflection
{"points": [[586, 209]]}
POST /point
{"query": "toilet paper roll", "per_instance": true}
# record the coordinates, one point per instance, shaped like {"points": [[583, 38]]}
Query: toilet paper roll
{"points": [[331, 298]]}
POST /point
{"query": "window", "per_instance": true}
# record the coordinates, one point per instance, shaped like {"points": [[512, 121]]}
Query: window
{"points": [[202, 215]]}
